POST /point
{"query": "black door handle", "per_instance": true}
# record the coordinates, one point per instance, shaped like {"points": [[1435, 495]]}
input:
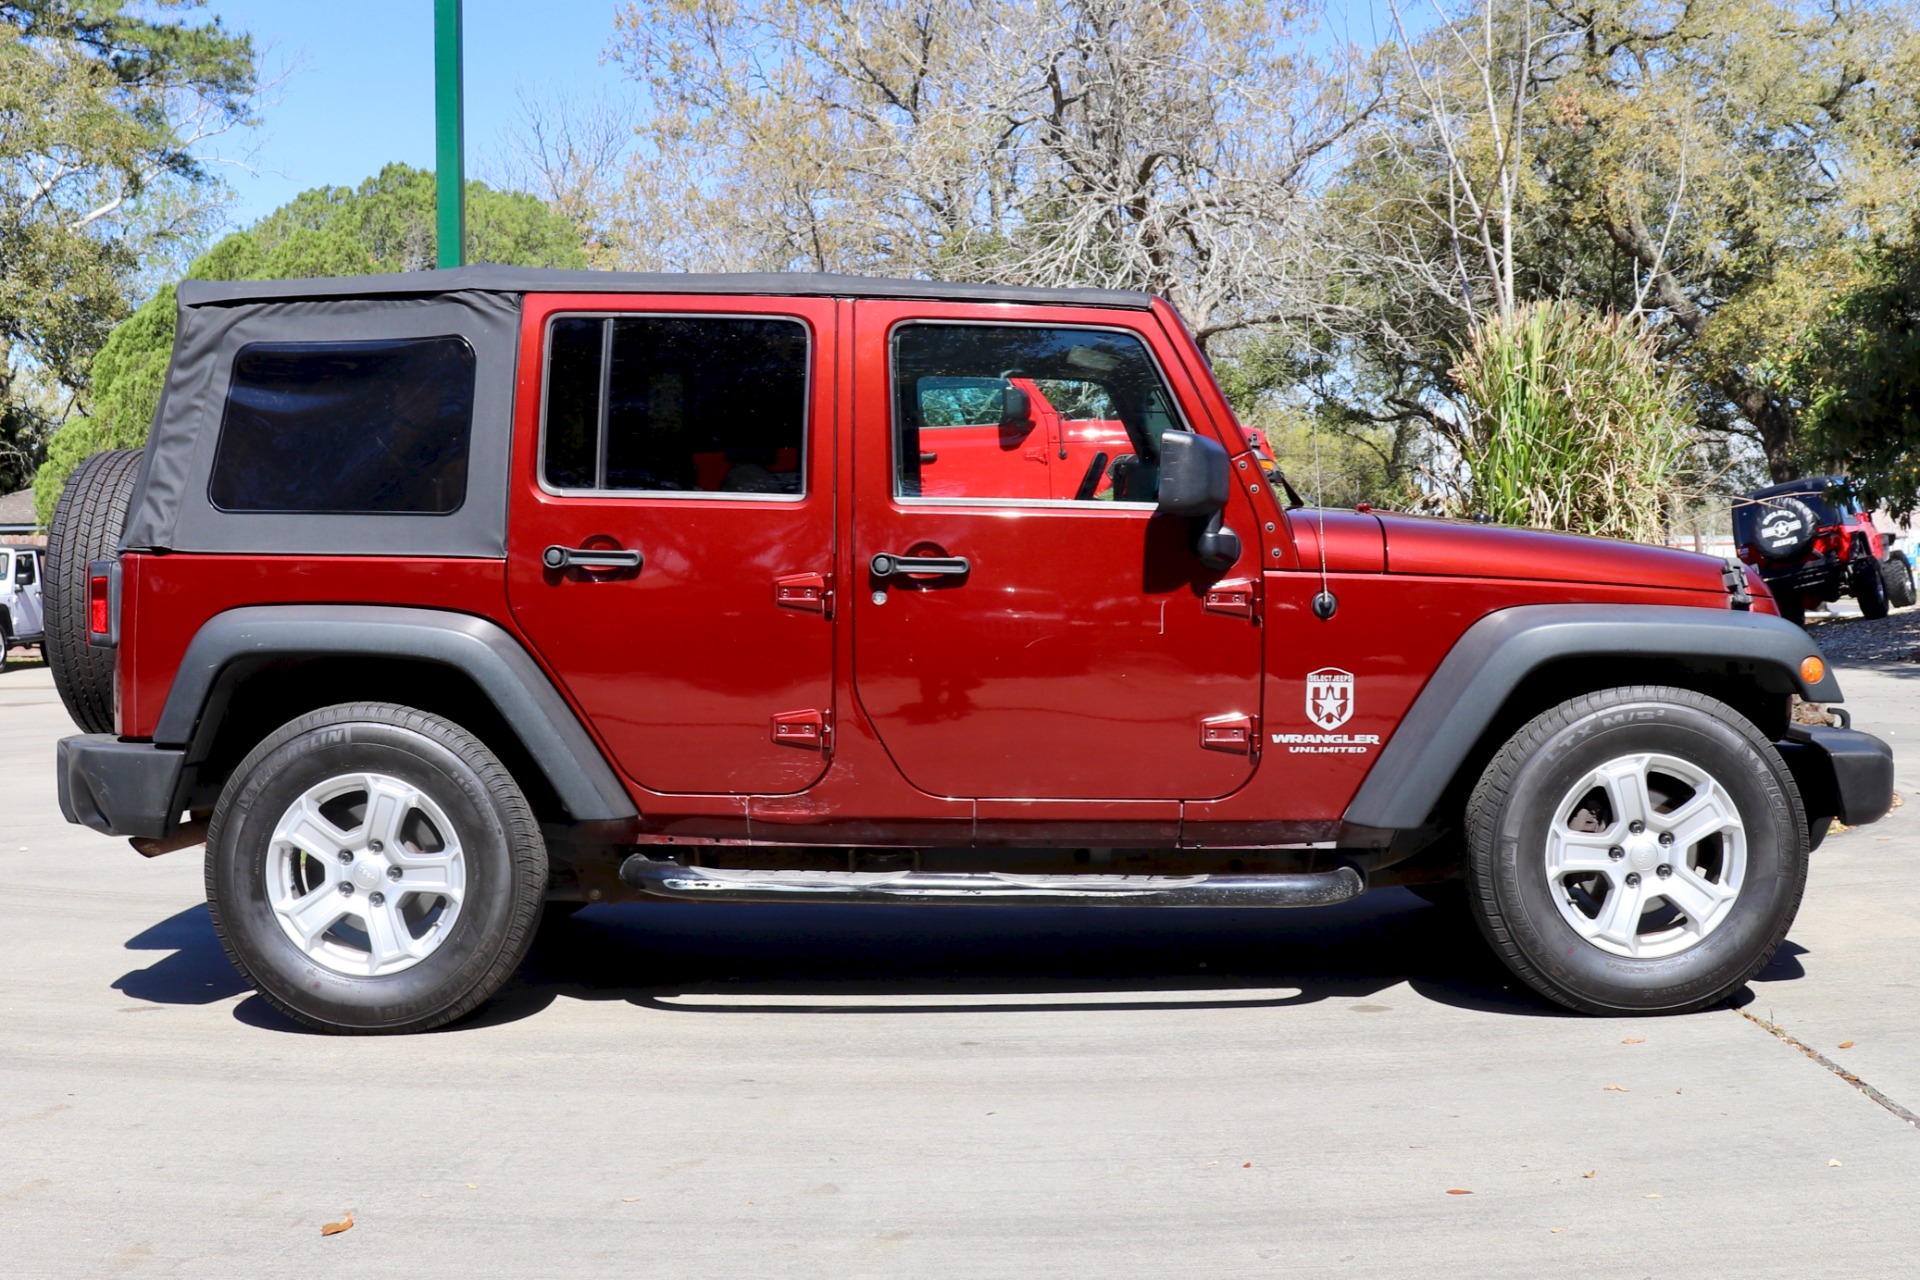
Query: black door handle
{"points": [[888, 565], [558, 557]]}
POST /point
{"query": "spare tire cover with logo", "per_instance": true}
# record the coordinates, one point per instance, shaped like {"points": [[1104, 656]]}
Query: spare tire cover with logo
{"points": [[1784, 528]]}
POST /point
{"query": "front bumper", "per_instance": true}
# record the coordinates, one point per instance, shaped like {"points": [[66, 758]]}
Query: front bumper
{"points": [[1842, 773], [120, 788]]}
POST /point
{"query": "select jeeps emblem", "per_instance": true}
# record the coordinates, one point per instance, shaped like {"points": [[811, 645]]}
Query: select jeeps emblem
{"points": [[1329, 697]]}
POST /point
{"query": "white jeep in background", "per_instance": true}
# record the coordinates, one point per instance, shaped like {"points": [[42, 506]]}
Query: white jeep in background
{"points": [[22, 618]]}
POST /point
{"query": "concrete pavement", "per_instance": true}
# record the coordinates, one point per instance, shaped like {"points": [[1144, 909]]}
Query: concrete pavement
{"points": [[710, 1091]]}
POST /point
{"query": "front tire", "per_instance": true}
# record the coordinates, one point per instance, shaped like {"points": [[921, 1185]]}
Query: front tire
{"points": [[373, 868], [1636, 851]]}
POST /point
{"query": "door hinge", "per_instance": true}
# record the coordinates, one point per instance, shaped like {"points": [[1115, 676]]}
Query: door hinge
{"points": [[1236, 597], [812, 592], [811, 730], [1236, 735]]}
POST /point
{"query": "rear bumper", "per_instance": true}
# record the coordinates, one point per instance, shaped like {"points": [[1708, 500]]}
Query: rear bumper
{"points": [[1842, 773], [1823, 576], [119, 788]]}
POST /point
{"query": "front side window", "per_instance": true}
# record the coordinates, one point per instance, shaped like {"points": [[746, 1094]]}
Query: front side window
{"points": [[1019, 412], [375, 427], [676, 404]]}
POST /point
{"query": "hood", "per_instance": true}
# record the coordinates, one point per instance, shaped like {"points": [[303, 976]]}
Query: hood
{"points": [[1451, 548]]}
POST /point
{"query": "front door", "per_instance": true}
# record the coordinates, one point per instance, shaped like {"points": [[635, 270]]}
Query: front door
{"points": [[1013, 644], [28, 618], [671, 536]]}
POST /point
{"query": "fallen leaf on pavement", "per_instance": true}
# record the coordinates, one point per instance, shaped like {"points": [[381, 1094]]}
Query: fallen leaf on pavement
{"points": [[1556, 1230], [1653, 1195], [1457, 1191], [1247, 1165], [1677, 1090], [1846, 1044], [1613, 1088], [1833, 1164], [1589, 1173], [1850, 1079], [628, 1199], [335, 1228], [1634, 1040]]}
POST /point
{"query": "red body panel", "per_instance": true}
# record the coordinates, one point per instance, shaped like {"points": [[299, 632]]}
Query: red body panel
{"points": [[683, 666], [1077, 659], [1424, 546], [1046, 458], [1083, 684]]}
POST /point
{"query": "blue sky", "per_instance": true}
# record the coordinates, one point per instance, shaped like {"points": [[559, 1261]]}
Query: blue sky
{"points": [[358, 89]]}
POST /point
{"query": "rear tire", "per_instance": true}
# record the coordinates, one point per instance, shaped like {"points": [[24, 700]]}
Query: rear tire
{"points": [[1898, 576], [372, 868], [87, 523], [1870, 589], [1608, 918]]}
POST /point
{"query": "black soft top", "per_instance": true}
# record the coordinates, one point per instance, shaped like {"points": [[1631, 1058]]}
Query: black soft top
{"points": [[172, 509], [489, 278], [1795, 488]]}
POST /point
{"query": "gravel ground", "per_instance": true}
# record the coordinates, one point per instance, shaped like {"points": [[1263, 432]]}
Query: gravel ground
{"points": [[1894, 638]]}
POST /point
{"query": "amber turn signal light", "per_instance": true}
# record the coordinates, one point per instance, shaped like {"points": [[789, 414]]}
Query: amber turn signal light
{"points": [[1813, 670]]}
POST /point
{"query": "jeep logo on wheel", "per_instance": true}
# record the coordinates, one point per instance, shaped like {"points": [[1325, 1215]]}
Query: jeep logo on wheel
{"points": [[1329, 697]]}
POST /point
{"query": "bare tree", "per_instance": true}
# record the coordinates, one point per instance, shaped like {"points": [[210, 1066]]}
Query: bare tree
{"points": [[1169, 146]]}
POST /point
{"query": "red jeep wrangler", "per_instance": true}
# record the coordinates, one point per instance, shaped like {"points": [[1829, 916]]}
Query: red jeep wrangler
{"points": [[437, 598]]}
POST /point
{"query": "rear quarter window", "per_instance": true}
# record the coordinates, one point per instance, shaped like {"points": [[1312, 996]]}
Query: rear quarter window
{"points": [[374, 427]]}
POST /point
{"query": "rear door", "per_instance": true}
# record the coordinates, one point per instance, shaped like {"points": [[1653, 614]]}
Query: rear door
{"points": [[671, 532], [1009, 644]]}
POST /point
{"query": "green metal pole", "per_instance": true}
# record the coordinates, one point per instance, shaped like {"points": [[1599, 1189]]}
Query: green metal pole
{"points": [[450, 171]]}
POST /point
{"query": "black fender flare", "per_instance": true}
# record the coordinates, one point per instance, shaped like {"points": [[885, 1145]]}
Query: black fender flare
{"points": [[482, 650], [1497, 653]]}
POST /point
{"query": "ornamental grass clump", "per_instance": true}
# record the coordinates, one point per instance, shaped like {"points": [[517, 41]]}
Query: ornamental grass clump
{"points": [[1571, 422]]}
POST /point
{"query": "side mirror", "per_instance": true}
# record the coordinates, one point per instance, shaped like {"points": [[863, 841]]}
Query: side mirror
{"points": [[1016, 408], [1195, 475], [1196, 478]]}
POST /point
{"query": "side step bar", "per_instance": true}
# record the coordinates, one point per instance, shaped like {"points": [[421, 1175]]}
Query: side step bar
{"points": [[667, 879]]}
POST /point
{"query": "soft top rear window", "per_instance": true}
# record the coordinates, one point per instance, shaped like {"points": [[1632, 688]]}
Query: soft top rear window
{"points": [[365, 427]]}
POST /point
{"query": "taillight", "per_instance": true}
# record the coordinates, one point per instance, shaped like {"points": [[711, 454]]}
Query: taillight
{"points": [[103, 603], [97, 605]]}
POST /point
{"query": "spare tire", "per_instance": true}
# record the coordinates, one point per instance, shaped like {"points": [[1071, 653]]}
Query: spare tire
{"points": [[87, 523], [1784, 528]]}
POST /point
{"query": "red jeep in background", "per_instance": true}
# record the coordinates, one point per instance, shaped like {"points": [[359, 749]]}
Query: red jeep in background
{"points": [[437, 600], [1812, 544]]}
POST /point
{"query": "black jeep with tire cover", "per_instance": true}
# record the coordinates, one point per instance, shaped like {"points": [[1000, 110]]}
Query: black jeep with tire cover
{"points": [[1813, 544]]}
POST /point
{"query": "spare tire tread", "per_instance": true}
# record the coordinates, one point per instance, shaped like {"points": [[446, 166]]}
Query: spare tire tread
{"points": [[86, 526]]}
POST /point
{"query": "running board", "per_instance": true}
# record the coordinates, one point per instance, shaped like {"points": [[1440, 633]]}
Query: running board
{"points": [[666, 879]]}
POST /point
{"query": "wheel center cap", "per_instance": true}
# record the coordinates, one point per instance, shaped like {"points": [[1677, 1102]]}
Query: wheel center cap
{"points": [[1643, 853], [368, 874]]}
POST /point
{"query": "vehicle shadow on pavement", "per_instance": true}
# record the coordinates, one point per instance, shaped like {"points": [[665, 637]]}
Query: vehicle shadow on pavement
{"points": [[814, 960], [867, 960], [194, 970]]}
